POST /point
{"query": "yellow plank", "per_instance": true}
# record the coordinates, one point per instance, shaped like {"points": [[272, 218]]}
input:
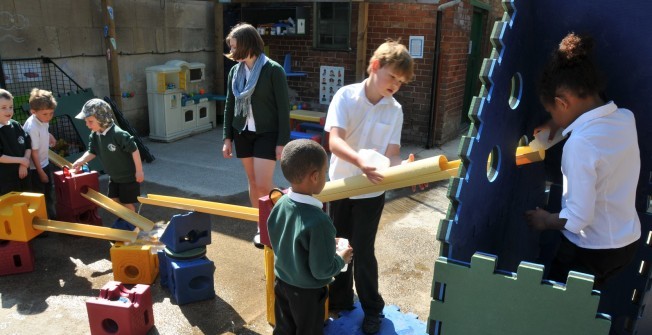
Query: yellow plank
{"points": [[305, 115], [58, 160], [86, 230], [209, 207], [527, 155], [118, 210]]}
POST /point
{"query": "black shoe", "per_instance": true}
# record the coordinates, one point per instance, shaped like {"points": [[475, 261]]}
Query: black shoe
{"points": [[371, 324], [257, 243]]}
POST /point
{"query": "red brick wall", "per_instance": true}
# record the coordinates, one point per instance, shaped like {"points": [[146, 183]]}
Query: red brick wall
{"points": [[394, 20]]}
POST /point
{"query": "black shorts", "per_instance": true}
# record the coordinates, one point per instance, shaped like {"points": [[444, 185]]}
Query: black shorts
{"points": [[127, 193], [249, 144]]}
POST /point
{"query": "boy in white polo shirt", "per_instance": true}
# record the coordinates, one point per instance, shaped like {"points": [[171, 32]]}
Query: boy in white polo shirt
{"points": [[41, 106]]}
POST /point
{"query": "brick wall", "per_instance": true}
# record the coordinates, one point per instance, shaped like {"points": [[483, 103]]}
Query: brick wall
{"points": [[394, 20]]}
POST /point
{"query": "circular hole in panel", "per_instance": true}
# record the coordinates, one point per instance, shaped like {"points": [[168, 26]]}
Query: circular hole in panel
{"points": [[493, 164], [132, 271], [110, 326], [517, 91]]}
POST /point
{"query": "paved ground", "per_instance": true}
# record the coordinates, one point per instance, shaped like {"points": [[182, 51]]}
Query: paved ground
{"points": [[70, 270]]}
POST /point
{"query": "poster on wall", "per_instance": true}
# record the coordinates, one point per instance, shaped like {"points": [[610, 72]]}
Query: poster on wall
{"points": [[27, 72], [8, 74], [331, 78]]}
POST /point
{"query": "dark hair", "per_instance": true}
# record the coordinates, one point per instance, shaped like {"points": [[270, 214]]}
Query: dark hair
{"points": [[248, 42], [571, 66], [4, 94], [41, 99], [300, 158]]}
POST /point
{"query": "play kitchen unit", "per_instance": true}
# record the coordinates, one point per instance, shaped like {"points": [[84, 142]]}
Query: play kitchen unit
{"points": [[178, 105]]}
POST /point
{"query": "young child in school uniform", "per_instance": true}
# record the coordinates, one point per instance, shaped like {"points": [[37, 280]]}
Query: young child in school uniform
{"points": [[15, 149], [365, 116], [41, 106], [116, 149], [600, 165], [303, 239]]}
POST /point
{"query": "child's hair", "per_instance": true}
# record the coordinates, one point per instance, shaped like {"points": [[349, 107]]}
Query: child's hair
{"points": [[572, 67], [41, 99], [4, 94], [248, 42], [394, 54], [300, 158]]}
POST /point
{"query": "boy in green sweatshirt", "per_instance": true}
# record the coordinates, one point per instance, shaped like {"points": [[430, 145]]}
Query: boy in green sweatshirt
{"points": [[303, 239]]}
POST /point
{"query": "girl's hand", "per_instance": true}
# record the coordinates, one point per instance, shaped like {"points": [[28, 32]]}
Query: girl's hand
{"points": [[140, 176], [551, 125], [279, 152], [226, 149]]}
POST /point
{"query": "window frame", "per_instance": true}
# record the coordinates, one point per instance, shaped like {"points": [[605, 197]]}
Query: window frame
{"points": [[318, 26]]}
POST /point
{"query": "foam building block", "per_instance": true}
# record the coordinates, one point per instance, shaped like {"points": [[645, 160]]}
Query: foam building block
{"points": [[134, 264], [187, 231], [69, 188], [119, 310], [187, 280], [265, 205], [17, 212], [479, 300], [394, 322], [15, 257]]}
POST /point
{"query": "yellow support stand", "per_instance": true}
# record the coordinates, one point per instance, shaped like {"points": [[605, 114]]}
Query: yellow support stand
{"points": [[269, 287], [134, 264], [17, 212], [118, 210], [209, 207], [86, 230]]}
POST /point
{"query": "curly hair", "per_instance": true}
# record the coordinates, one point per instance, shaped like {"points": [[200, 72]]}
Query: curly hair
{"points": [[571, 66]]}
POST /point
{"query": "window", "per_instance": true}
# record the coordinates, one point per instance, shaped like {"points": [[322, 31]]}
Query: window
{"points": [[332, 25]]}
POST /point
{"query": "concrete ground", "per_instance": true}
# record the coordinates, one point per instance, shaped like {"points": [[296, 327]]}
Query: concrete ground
{"points": [[69, 269]]}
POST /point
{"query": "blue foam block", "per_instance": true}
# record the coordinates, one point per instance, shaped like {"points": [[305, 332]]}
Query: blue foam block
{"points": [[122, 224], [395, 322], [187, 231], [191, 280]]}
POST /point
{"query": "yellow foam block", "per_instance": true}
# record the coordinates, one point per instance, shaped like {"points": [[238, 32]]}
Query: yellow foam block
{"points": [[209, 207], [134, 264], [17, 213], [269, 287], [87, 230], [118, 209]]}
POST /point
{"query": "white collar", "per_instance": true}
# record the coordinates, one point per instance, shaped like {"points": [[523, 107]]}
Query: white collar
{"points": [[361, 94], [303, 198], [595, 113], [105, 130], [39, 121]]}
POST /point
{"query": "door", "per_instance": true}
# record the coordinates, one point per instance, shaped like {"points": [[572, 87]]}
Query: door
{"points": [[474, 62]]}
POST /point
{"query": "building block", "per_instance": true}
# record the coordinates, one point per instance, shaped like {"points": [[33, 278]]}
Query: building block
{"points": [[134, 264], [187, 280], [394, 322], [265, 205], [68, 188], [187, 231], [479, 300], [15, 257], [119, 310], [295, 135], [17, 212], [87, 214]]}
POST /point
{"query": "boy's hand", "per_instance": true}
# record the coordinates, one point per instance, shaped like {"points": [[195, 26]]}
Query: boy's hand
{"points": [[410, 159], [140, 176], [43, 176], [22, 172], [370, 171], [24, 162], [346, 254], [550, 124], [537, 218], [52, 142]]}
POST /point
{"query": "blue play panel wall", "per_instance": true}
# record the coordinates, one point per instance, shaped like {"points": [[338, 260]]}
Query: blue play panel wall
{"points": [[488, 200]]}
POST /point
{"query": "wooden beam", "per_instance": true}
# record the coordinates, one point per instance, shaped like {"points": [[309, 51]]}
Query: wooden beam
{"points": [[111, 54], [219, 48], [361, 44]]}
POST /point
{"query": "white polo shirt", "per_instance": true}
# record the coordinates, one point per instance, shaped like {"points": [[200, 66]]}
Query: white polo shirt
{"points": [[367, 126], [601, 165], [40, 135]]}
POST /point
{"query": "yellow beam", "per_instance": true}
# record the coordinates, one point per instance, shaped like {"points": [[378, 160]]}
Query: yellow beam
{"points": [[85, 230], [209, 207], [118, 210], [58, 160]]}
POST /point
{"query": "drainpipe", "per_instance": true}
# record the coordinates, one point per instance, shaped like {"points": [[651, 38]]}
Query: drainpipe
{"points": [[432, 120]]}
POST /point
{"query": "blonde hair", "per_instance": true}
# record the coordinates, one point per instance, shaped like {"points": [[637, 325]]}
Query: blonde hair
{"points": [[393, 53], [41, 99]]}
